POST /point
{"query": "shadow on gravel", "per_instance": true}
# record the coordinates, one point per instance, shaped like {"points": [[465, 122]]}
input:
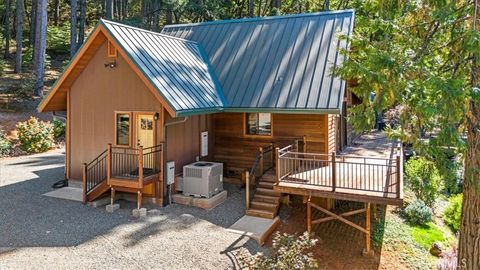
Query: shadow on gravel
{"points": [[28, 219]]}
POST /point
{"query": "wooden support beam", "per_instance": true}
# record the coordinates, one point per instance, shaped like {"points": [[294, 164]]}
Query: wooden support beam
{"points": [[367, 229], [84, 183], [139, 199], [342, 219], [112, 195], [309, 216], [346, 214], [247, 190]]}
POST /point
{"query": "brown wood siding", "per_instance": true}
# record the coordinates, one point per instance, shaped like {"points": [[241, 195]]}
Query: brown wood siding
{"points": [[95, 95], [183, 140], [332, 133], [238, 150]]}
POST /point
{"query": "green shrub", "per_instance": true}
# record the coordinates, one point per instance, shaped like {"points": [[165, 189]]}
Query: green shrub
{"points": [[5, 144], [35, 136], [423, 178], [58, 39], [59, 128], [418, 213], [288, 252], [2, 66], [453, 212]]}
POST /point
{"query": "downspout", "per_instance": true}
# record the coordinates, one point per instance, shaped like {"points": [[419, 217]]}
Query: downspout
{"points": [[168, 190]]}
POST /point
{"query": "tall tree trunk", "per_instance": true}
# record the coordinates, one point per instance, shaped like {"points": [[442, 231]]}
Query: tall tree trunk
{"points": [[250, 8], [125, 9], [19, 36], [33, 20], [7, 28], [56, 11], [40, 47], [469, 240], [169, 15], [156, 15], [109, 9], [73, 27], [81, 27]]}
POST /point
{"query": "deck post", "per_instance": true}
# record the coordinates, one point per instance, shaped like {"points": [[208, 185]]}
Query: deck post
{"points": [[261, 160], [398, 174], [109, 162], [247, 190], [112, 195], [140, 166], [84, 183], [277, 153], [139, 199], [272, 154], [304, 143], [334, 173], [309, 216], [159, 183], [367, 250]]}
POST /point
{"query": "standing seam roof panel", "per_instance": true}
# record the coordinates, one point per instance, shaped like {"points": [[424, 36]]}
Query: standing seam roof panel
{"points": [[177, 68], [295, 71]]}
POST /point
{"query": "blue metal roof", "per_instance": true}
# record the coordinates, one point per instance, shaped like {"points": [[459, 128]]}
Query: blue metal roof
{"points": [[179, 69], [281, 63]]}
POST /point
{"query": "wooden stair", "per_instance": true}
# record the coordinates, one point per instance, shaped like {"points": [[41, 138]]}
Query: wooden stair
{"points": [[265, 201]]}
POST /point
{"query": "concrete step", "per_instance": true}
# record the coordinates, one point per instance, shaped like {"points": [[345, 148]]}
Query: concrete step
{"points": [[267, 191], [264, 184], [266, 198], [260, 213], [264, 206]]}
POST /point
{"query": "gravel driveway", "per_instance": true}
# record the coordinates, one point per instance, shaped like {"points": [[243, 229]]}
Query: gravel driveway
{"points": [[39, 232]]}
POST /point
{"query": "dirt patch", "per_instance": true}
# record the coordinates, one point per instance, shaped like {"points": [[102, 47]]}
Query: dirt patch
{"points": [[340, 246]]}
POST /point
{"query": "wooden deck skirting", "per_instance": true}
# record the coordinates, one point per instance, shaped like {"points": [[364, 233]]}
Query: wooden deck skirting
{"points": [[124, 169], [346, 177]]}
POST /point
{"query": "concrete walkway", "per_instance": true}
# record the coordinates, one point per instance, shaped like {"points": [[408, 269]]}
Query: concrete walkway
{"points": [[40, 232]]}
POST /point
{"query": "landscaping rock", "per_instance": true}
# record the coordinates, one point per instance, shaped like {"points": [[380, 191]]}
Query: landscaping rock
{"points": [[436, 250]]}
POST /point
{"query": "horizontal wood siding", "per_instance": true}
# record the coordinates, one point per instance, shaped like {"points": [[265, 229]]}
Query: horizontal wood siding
{"points": [[183, 140], [332, 133], [95, 95], [238, 150]]}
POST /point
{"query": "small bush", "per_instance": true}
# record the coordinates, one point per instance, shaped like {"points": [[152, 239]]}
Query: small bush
{"points": [[58, 129], [58, 39], [289, 252], [423, 178], [453, 212], [5, 144], [35, 136], [418, 213]]}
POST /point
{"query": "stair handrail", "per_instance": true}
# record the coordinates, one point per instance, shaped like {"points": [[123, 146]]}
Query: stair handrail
{"points": [[250, 176], [94, 173]]}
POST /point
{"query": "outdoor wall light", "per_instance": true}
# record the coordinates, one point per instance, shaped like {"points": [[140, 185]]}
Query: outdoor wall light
{"points": [[111, 64], [155, 116]]}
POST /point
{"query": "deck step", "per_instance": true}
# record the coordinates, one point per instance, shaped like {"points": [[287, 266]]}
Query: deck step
{"points": [[269, 178], [264, 184], [267, 191], [260, 213], [264, 206], [266, 198]]}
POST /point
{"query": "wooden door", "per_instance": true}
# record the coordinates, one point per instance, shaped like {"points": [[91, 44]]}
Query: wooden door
{"points": [[145, 130]]}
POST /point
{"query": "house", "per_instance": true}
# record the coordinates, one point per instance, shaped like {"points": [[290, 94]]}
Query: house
{"points": [[262, 92]]}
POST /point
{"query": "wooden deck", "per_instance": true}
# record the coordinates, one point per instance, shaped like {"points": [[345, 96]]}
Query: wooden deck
{"points": [[346, 177]]}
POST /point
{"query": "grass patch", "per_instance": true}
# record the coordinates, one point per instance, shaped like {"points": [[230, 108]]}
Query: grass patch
{"points": [[426, 235]]}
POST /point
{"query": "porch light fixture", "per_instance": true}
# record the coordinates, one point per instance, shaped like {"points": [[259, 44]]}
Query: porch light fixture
{"points": [[112, 64], [155, 116]]}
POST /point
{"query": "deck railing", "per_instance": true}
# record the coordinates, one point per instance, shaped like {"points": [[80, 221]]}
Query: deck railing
{"points": [[348, 172], [94, 173], [121, 163], [263, 162]]}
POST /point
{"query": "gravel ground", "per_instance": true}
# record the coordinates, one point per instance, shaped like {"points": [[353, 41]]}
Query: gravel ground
{"points": [[38, 232]]}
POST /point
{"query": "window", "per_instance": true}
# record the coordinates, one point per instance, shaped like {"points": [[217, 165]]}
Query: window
{"points": [[259, 124], [122, 129]]}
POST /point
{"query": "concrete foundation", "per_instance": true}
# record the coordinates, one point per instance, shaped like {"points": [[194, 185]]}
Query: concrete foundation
{"points": [[99, 202], [256, 228], [139, 213], [112, 207], [204, 203]]}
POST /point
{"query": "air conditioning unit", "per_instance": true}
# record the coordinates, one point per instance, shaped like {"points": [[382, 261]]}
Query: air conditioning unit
{"points": [[202, 179]]}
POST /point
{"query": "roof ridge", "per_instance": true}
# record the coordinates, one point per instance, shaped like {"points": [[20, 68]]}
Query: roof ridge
{"points": [[266, 18], [104, 21]]}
